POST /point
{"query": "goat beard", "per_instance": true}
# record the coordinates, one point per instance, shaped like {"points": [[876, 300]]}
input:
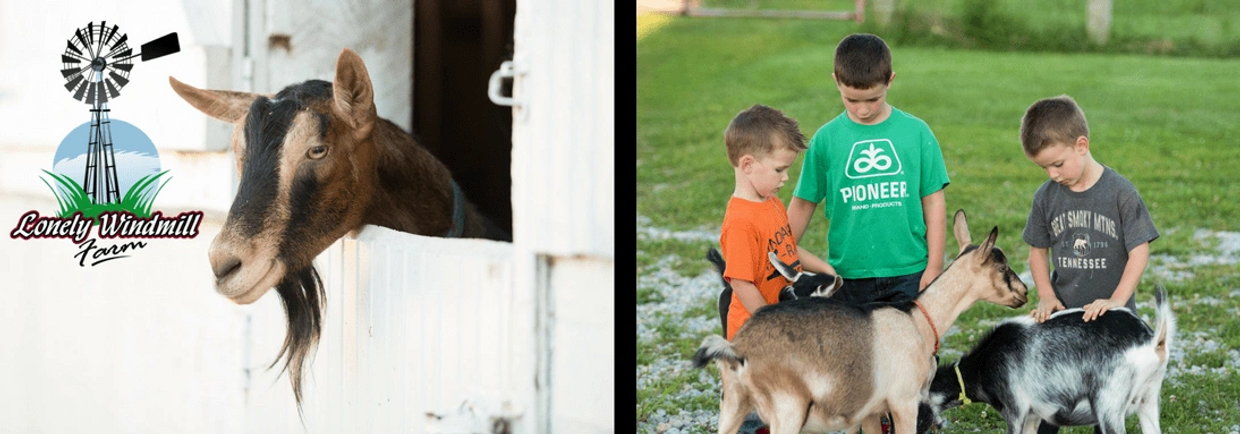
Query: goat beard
{"points": [[304, 300]]}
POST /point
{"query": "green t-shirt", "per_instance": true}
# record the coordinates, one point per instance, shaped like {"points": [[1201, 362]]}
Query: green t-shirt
{"points": [[872, 178]]}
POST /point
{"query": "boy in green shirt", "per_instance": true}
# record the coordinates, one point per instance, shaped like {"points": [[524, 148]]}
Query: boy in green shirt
{"points": [[881, 174]]}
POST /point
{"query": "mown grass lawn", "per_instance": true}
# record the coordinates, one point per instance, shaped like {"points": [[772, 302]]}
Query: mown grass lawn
{"points": [[1168, 124]]}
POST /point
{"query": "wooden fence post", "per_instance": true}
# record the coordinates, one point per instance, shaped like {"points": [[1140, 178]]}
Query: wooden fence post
{"points": [[883, 10], [1099, 22]]}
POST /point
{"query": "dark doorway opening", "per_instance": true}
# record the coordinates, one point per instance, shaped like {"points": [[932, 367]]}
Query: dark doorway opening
{"points": [[457, 45]]}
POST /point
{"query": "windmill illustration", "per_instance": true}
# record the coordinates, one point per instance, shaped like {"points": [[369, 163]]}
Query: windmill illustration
{"points": [[96, 67]]}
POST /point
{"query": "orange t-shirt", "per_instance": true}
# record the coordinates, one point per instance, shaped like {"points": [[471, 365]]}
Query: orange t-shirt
{"points": [[750, 231]]}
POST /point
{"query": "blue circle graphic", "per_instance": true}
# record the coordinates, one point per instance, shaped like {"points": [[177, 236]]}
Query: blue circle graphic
{"points": [[135, 154]]}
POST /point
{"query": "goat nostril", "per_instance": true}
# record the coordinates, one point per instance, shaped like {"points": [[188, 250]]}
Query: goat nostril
{"points": [[227, 268]]}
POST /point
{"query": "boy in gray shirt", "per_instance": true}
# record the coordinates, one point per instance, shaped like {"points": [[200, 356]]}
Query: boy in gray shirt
{"points": [[1090, 218]]}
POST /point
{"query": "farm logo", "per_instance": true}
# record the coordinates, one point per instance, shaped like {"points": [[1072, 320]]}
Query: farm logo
{"points": [[870, 158], [116, 162]]}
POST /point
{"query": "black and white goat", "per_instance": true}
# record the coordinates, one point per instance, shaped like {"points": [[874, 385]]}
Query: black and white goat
{"points": [[1065, 371], [819, 365], [803, 283]]}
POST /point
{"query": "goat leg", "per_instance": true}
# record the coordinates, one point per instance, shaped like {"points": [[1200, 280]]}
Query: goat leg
{"points": [[790, 411], [1028, 424], [904, 419], [872, 423], [1148, 416], [734, 407]]}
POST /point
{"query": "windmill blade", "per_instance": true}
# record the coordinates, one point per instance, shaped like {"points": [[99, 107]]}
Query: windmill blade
{"points": [[83, 39], [122, 81], [111, 33], [70, 47], [103, 94], [72, 71], [161, 47], [69, 59], [90, 93], [122, 66], [81, 90], [100, 41], [72, 84], [120, 41], [112, 90], [122, 56]]}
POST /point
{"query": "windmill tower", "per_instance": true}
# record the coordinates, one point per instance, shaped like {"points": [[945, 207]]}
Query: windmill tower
{"points": [[96, 66]]}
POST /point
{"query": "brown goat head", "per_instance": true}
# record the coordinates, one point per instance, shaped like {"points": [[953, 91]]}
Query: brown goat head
{"points": [[1006, 288], [303, 157], [307, 162]]}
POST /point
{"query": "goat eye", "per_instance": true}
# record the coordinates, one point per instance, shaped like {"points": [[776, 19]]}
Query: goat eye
{"points": [[317, 152]]}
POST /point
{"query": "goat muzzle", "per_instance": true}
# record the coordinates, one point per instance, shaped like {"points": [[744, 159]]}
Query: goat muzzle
{"points": [[243, 274]]}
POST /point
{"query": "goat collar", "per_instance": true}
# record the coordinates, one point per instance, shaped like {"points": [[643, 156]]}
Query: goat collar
{"points": [[963, 398], [932, 328], [458, 213]]}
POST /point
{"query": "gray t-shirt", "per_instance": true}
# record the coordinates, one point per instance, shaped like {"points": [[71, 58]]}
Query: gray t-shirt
{"points": [[1090, 234]]}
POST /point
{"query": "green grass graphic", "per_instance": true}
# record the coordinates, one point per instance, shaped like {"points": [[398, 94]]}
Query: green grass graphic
{"points": [[71, 197]]}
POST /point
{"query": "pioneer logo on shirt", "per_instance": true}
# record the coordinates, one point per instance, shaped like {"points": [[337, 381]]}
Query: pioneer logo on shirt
{"points": [[871, 158]]}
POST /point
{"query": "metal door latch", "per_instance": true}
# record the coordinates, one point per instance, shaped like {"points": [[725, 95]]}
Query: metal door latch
{"points": [[506, 70], [471, 418]]}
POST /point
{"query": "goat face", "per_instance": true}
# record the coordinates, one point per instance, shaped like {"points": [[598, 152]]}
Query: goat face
{"points": [[987, 260], [804, 283], [306, 161]]}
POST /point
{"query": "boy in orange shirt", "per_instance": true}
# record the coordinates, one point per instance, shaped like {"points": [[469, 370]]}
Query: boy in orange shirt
{"points": [[762, 144]]}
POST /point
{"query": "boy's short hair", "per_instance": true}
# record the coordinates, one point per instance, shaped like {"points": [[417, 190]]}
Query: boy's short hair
{"points": [[862, 61], [1052, 121], [759, 131]]}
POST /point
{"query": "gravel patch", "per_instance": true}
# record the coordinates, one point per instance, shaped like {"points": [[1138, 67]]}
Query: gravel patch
{"points": [[1226, 252], [682, 422], [647, 232], [679, 294]]}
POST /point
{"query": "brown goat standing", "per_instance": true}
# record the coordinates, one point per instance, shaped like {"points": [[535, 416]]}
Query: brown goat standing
{"points": [[818, 365], [316, 162]]}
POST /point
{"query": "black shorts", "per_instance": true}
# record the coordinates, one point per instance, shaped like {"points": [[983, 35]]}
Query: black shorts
{"points": [[896, 289]]}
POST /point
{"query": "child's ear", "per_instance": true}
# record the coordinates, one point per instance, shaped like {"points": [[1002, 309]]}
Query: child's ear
{"points": [[744, 162], [891, 79], [1082, 145]]}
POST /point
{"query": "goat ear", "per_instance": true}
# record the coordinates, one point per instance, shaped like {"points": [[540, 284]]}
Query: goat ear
{"points": [[988, 244], [786, 270], [353, 94], [960, 227], [224, 105], [839, 283]]}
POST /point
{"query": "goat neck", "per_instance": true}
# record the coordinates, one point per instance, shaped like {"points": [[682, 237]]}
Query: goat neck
{"points": [[944, 300], [408, 179]]}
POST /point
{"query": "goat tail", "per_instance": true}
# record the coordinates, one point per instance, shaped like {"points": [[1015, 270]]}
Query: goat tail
{"points": [[1164, 328], [715, 347], [716, 258]]}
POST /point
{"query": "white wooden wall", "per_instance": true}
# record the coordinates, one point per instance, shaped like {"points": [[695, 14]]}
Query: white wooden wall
{"points": [[414, 325], [563, 181], [380, 31], [563, 137]]}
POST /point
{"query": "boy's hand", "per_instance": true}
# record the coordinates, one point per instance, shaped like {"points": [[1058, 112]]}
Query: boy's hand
{"points": [[1046, 306], [1100, 307], [927, 277]]}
